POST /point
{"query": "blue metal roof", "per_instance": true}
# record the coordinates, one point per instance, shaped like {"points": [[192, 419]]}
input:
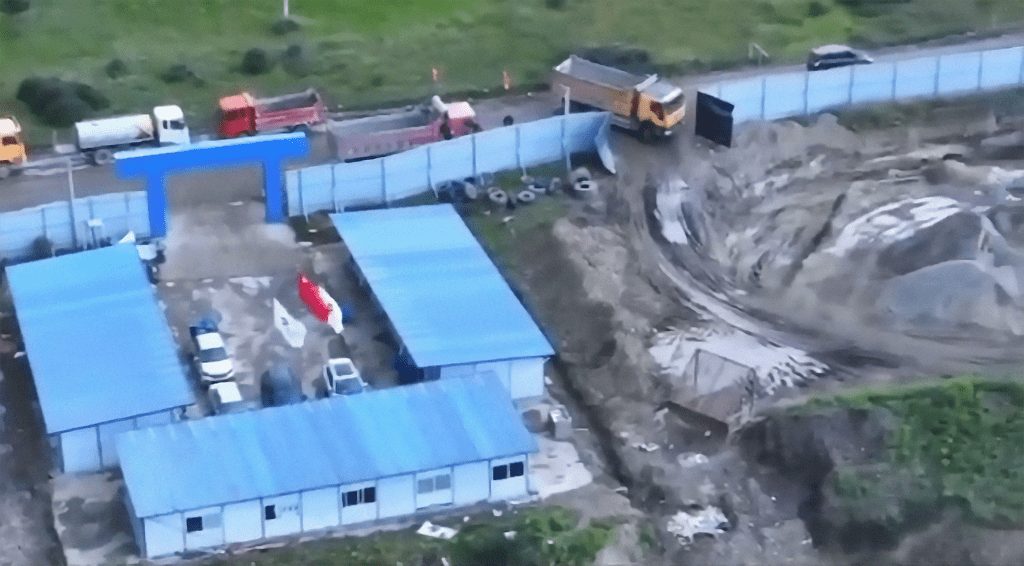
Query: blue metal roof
{"points": [[98, 344], [324, 443], [444, 297]]}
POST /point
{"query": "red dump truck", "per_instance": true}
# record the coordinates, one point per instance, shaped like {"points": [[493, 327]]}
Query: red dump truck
{"points": [[244, 114], [385, 134]]}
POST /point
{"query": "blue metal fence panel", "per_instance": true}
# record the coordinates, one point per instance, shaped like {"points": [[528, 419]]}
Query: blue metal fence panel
{"points": [[340, 440], [827, 88], [581, 130], [540, 141], [745, 95], [873, 83], [496, 149], [119, 213], [916, 77], [1002, 67], [357, 184], [451, 160], [785, 95], [959, 72], [405, 173], [98, 343], [473, 317]]}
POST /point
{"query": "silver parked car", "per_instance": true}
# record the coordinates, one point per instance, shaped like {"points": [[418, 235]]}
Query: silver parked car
{"points": [[830, 56]]}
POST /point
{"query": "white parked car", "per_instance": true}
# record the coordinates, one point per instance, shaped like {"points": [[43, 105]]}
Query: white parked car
{"points": [[342, 377], [212, 359], [226, 398]]}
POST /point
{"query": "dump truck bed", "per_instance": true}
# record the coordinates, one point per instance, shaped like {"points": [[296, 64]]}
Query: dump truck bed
{"points": [[584, 70], [416, 118]]}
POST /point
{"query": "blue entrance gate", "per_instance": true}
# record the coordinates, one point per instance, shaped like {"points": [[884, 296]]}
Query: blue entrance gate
{"points": [[155, 164]]}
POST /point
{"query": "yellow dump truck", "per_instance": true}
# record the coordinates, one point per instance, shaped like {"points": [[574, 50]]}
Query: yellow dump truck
{"points": [[649, 105], [12, 149]]}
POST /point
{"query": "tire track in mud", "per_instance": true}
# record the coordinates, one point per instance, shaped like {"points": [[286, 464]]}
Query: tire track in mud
{"points": [[698, 283]]}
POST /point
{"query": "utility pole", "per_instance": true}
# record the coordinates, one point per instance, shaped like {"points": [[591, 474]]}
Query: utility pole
{"points": [[71, 191], [565, 119]]}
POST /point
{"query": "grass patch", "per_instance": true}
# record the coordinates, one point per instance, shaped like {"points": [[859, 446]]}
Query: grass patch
{"points": [[480, 542], [959, 443], [367, 53], [500, 237]]}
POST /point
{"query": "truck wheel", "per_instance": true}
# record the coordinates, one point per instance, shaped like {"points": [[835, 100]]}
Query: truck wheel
{"points": [[5, 171], [647, 134], [102, 156]]}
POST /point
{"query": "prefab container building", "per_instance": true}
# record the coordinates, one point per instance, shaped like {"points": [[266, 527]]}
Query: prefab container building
{"points": [[448, 306], [101, 353], [344, 460]]}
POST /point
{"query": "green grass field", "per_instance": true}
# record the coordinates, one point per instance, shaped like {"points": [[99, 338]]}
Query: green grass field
{"points": [[365, 53]]}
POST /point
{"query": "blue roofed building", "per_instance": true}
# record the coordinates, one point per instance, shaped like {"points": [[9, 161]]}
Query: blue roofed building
{"points": [[344, 460], [450, 309], [100, 350]]}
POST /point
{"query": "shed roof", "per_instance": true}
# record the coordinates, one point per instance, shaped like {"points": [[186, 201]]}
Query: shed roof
{"points": [[98, 344], [444, 297], [338, 441]]}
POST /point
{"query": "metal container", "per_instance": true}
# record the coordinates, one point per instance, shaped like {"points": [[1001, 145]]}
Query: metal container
{"points": [[561, 423]]}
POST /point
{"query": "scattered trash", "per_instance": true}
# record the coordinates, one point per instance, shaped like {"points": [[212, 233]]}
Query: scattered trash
{"points": [[622, 489], [19, 354], [691, 459], [507, 219], [647, 447], [465, 519], [708, 521], [497, 512], [510, 535], [236, 203], [431, 530], [292, 330]]}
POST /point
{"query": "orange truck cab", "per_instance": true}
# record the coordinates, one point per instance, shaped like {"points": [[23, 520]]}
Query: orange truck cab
{"points": [[12, 149], [245, 114]]}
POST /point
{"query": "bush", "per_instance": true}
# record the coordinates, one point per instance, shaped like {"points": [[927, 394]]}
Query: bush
{"points": [[91, 96], [65, 111], [555, 4], [256, 62], [176, 74], [295, 62], [13, 7], [816, 9], [284, 26], [38, 92], [116, 68]]}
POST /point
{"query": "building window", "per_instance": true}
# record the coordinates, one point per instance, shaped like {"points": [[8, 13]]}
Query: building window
{"points": [[515, 469], [193, 524], [505, 471], [359, 496], [425, 486], [500, 472], [436, 483], [269, 512]]}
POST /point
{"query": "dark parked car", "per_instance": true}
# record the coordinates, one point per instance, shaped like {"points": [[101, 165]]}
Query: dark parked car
{"points": [[280, 387], [830, 56]]}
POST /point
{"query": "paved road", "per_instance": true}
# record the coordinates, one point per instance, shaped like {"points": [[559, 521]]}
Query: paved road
{"points": [[27, 191]]}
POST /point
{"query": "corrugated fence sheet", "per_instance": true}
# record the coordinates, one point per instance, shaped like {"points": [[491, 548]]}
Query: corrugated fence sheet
{"points": [[118, 212], [781, 95], [410, 173]]}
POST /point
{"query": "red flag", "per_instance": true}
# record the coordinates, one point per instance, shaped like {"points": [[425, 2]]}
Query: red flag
{"points": [[310, 294]]}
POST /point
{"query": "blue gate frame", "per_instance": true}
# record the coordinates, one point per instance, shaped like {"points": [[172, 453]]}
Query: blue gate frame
{"points": [[154, 164]]}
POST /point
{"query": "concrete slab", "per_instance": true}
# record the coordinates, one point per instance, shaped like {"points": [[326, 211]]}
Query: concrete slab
{"points": [[92, 521]]}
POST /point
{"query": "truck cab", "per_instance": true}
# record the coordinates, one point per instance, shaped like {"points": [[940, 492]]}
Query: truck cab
{"points": [[170, 125], [12, 149], [237, 115], [659, 103]]}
